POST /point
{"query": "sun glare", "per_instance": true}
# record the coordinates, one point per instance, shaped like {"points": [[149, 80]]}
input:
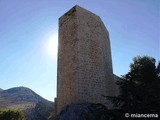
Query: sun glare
{"points": [[52, 46]]}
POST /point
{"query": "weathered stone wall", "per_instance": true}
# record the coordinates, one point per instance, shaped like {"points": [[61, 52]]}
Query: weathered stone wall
{"points": [[95, 66], [67, 60], [84, 59]]}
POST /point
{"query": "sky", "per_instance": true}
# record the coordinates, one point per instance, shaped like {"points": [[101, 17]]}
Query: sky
{"points": [[29, 38]]}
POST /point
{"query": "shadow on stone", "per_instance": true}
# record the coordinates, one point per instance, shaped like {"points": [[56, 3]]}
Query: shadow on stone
{"points": [[85, 111]]}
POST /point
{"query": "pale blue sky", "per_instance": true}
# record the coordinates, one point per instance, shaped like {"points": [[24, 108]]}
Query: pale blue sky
{"points": [[28, 37]]}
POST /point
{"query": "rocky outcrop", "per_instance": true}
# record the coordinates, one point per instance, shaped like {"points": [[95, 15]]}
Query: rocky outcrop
{"points": [[86, 111]]}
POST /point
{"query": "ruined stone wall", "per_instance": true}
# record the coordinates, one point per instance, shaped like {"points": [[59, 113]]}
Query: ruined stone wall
{"points": [[84, 59]]}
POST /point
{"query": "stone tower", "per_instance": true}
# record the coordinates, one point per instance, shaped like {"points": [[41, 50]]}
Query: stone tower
{"points": [[84, 59]]}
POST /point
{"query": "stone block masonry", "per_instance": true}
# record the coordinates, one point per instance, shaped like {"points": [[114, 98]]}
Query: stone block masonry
{"points": [[84, 72]]}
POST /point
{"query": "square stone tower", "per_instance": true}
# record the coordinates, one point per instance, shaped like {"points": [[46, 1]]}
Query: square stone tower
{"points": [[84, 59]]}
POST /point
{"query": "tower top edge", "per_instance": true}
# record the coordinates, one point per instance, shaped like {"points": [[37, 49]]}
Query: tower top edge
{"points": [[76, 9]]}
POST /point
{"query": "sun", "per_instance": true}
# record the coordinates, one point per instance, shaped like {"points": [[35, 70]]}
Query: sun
{"points": [[52, 46]]}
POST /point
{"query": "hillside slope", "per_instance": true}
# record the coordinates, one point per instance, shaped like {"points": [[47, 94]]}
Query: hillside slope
{"points": [[34, 106]]}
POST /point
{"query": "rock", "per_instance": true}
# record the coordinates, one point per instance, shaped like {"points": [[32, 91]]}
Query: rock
{"points": [[85, 111]]}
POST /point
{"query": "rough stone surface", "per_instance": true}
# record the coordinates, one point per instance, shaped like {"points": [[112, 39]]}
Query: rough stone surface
{"points": [[84, 59], [83, 112]]}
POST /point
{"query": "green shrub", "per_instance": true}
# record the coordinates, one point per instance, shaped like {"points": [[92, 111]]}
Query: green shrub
{"points": [[7, 114]]}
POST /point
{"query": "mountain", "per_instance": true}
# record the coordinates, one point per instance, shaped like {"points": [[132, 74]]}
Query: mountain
{"points": [[1, 89], [34, 106]]}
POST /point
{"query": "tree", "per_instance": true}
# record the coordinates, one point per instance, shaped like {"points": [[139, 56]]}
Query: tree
{"points": [[11, 115], [139, 88]]}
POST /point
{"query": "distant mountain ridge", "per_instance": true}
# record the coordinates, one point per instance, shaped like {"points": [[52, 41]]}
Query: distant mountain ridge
{"points": [[19, 94], [33, 105]]}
